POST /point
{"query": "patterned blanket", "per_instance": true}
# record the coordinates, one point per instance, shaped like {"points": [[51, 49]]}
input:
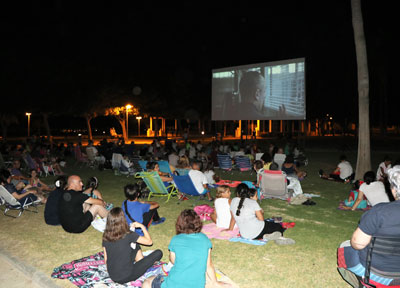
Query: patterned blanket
{"points": [[91, 271]]}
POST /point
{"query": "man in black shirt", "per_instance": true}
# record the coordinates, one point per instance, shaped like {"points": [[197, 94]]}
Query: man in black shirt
{"points": [[76, 209]]}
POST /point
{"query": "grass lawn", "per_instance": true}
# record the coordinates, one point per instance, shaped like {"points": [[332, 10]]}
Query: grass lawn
{"points": [[311, 262]]}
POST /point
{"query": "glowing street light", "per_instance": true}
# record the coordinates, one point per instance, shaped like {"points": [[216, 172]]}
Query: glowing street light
{"points": [[138, 119], [29, 122], [129, 106]]}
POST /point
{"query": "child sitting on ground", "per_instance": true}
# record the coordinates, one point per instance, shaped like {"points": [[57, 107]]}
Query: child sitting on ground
{"points": [[210, 174], [122, 252], [222, 216], [144, 212], [91, 190], [353, 196]]}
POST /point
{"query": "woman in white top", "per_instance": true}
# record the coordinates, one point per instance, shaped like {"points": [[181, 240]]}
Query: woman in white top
{"points": [[373, 190], [250, 218]]}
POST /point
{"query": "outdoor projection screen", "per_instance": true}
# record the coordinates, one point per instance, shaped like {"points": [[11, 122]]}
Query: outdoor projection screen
{"points": [[264, 91]]}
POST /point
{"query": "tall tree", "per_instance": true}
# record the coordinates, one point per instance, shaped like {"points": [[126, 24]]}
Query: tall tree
{"points": [[364, 147], [7, 119]]}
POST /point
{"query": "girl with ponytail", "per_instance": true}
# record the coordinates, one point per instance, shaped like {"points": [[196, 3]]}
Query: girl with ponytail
{"points": [[250, 218]]}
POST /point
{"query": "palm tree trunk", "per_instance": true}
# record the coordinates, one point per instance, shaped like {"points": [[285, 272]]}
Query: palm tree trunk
{"points": [[89, 127], [47, 127], [364, 149]]}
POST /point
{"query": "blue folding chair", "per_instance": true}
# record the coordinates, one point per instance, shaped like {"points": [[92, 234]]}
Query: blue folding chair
{"points": [[164, 166], [143, 164], [185, 185], [224, 162], [182, 171], [243, 163]]}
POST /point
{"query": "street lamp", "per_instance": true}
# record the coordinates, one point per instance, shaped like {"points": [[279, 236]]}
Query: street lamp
{"points": [[129, 106], [138, 119], [29, 122]]}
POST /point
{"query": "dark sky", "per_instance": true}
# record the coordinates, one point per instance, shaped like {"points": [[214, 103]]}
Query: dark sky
{"points": [[58, 50]]}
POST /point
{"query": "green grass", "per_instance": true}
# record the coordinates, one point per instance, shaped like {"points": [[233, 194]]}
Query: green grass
{"points": [[310, 263]]}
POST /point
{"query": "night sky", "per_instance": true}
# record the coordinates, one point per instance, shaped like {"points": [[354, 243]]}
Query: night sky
{"points": [[57, 55]]}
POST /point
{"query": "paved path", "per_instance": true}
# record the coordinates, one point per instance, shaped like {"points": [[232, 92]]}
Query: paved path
{"points": [[16, 274]]}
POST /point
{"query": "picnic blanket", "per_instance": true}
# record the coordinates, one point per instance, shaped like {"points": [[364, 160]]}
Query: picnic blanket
{"points": [[248, 241], [91, 271], [229, 183], [212, 231], [342, 205]]}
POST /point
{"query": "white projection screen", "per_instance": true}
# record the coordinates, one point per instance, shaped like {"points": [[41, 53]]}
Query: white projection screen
{"points": [[265, 91]]}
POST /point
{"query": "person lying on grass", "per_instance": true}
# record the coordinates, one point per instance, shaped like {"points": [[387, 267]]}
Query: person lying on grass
{"points": [[77, 210], [122, 252], [190, 252], [144, 212], [249, 218]]}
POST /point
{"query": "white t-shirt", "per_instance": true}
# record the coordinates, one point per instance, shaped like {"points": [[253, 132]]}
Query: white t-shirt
{"points": [[382, 166], [210, 176], [222, 209], [374, 192], [198, 179], [345, 169], [249, 226]]}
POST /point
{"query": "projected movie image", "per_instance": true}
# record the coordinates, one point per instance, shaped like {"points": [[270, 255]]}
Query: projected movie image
{"points": [[266, 91]]}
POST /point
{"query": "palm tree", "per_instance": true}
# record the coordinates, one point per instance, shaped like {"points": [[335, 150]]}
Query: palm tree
{"points": [[6, 120], [364, 148]]}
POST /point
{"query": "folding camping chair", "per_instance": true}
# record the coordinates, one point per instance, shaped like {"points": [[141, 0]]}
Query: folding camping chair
{"points": [[381, 246], [156, 185], [274, 185], [185, 185], [243, 163], [143, 164], [13, 204], [164, 166], [279, 159], [224, 162]]}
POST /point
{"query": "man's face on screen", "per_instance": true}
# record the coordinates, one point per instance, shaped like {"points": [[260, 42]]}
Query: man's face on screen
{"points": [[260, 97]]}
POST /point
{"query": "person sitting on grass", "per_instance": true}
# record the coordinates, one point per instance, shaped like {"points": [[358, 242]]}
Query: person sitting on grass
{"points": [[190, 252], [76, 209], [135, 210], [342, 173], [51, 209], [23, 194], [92, 191], [249, 218], [382, 220], [373, 190], [291, 170], [353, 196], [222, 215], [199, 180], [122, 252], [381, 173]]}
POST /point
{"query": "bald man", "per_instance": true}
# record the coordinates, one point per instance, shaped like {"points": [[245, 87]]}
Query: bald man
{"points": [[76, 209]]}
